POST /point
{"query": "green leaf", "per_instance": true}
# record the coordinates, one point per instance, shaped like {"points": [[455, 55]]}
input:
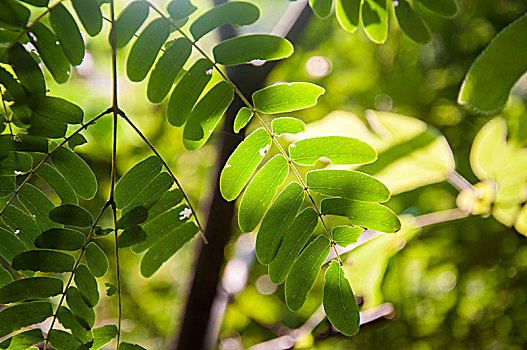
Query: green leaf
{"points": [[90, 15], [69, 214], [166, 247], [62, 340], [60, 239], [489, 81], [103, 335], [25, 225], [7, 185], [87, 285], [277, 221], [56, 108], [12, 86], [43, 260], [375, 20], [38, 205], [14, 13], [187, 92], [152, 193], [287, 125], [322, 8], [338, 149], [339, 303], [129, 346], [68, 34], [261, 191], [23, 340], [206, 115], [347, 184], [167, 69], [10, 245], [38, 3], [346, 235], [131, 236], [129, 22], [305, 271], [243, 162], [69, 321], [22, 315], [5, 277], [45, 127], [51, 52], [145, 49], [96, 260], [30, 288], [135, 179], [111, 289], [237, 13], [58, 183], [169, 200], [23, 143], [246, 48], [365, 214], [348, 14], [180, 9], [16, 163], [85, 314], [242, 119], [27, 70], [411, 23], [447, 8], [295, 239], [76, 172], [76, 140], [286, 97], [135, 216]]}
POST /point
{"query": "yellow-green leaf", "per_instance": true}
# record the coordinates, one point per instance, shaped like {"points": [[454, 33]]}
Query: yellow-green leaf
{"points": [[375, 20], [286, 97], [348, 14]]}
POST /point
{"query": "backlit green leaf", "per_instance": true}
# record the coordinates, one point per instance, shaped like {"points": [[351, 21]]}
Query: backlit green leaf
{"points": [[206, 115], [43, 260], [25, 143], [169, 200], [187, 92], [76, 140], [347, 184], [129, 346], [30, 288], [10, 245], [490, 79], [12, 86], [237, 13], [338, 149], [68, 33], [135, 179], [447, 8], [23, 340], [167, 68], [16, 163], [5, 277], [38, 205], [295, 239], [261, 191], [96, 260], [277, 221], [305, 271], [103, 335], [151, 193], [22, 223], [7, 185], [14, 13], [365, 214], [69, 214], [348, 14], [411, 23], [56, 108], [346, 235], [87, 285], [132, 235], [62, 340], [90, 15], [145, 49], [287, 125], [27, 70], [242, 119], [22, 315], [134, 216], [339, 303], [243, 162], [78, 307], [46, 127], [321, 8], [180, 9], [129, 22], [58, 183], [286, 97], [246, 48], [375, 20], [61, 239], [69, 321]]}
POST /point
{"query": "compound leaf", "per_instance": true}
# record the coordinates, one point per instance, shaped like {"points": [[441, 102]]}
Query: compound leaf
{"points": [[447, 8], [180, 9], [85, 314], [103, 335], [151, 193], [26, 70], [10, 245], [23, 340], [14, 13], [58, 183], [131, 235]]}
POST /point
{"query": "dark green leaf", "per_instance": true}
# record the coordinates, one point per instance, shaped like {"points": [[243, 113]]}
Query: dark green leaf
{"points": [[56, 108], [68, 34], [30, 288], [69, 321], [166, 247], [247, 48], [206, 115], [69, 214], [12, 86], [187, 92], [348, 14], [23, 340], [338, 149], [131, 236], [10, 245], [87, 285], [103, 335], [261, 191], [152, 193], [242, 119], [411, 23], [90, 15], [61, 239], [111, 289], [346, 235], [287, 125], [237, 13], [180, 9], [243, 162], [167, 68], [84, 314], [7, 185], [365, 214], [447, 8], [145, 49], [129, 346], [3, 121], [51, 52], [76, 172], [25, 143], [96, 259], [22, 315], [99, 231], [295, 239], [20, 222], [16, 163], [339, 303], [375, 20], [27, 70], [277, 221], [38, 205], [43, 260], [135, 179], [286, 97], [62, 340], [321, 8], [76, 140], [129, 22], [38, 3], [135, 216], [41, 126], [305, 271], [58, 183], [14, 13], [169, 200], [5, 277]]}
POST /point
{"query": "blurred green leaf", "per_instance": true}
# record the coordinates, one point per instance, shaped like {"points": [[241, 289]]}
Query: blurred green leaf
{"points": [[447, 8], [43, 260], [375, 20], [68, 33], [321, 8], [12, 86], [90, 15], [129, 21], [60, 239], [348, 14], [30, 288], [286, 97], [69, 214], [180, 9], [129, 346], [96, 260], [134, 180]]}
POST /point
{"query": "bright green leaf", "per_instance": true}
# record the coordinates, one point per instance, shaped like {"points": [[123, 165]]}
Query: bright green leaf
{"points": [[286, 97], [375, 20], [411, 23], [68, 33], [348, 14], [23, 340], [90, 15], [180, 9], [58, 183], [447, 8], [69, 214], [60, 239], [169, 200], [131, 235], [96, 260], [26, 70], [76, 172], [151, 193], [135, 179], [321, 8], [30, 288], [22, 315], [87, 285], [43, 260], [129, 22], [242, 119], [287, 125], [346, 235], [10, 245]]}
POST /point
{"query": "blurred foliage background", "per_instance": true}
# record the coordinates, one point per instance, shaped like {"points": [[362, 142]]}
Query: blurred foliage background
{"points": [[456, 285]]}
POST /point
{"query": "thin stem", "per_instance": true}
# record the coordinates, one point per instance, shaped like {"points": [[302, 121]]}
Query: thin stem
{"points": [[26, 180], [118, 273], [255, 112], [149, 144]]}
